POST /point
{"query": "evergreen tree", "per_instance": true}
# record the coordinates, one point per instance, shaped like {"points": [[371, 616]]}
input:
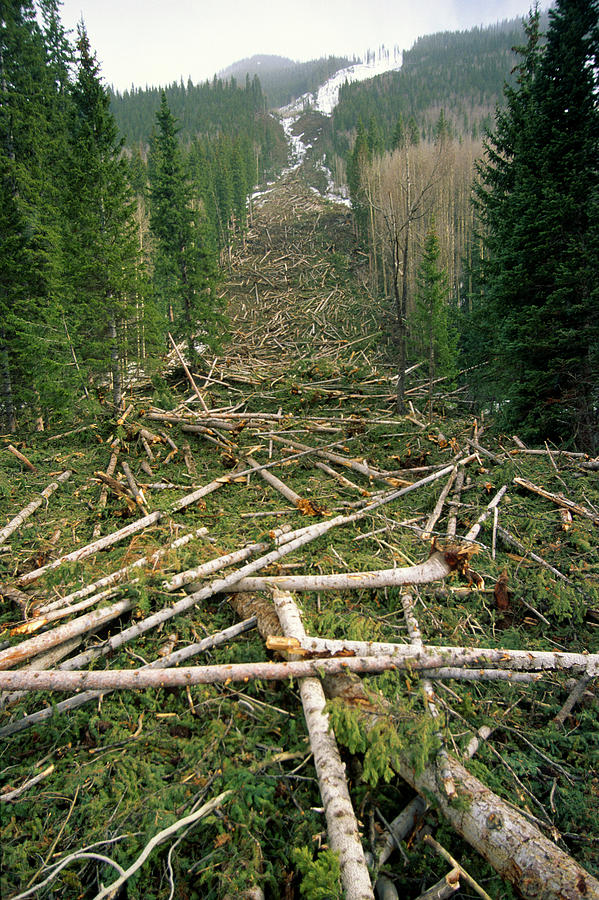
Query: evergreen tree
{"points": [[31, 345], [432, 334], [185, 262], [100, 244], [538, 201]]}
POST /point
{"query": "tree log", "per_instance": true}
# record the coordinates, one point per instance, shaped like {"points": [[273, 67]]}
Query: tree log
{"points": [[342, 828], [110, 539], [31, 507]]}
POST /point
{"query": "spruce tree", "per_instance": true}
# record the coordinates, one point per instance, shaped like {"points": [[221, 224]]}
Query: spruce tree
{"points": [[101, 284], [185, 269], [32, 362], [433, 336], [538, 200]]}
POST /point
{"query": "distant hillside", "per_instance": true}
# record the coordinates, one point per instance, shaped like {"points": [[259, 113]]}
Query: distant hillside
{"points": [[461, 73], [282, 79]]}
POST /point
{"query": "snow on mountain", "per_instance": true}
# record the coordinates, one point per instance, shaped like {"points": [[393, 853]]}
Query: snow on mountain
{"points": [[326, 98]]}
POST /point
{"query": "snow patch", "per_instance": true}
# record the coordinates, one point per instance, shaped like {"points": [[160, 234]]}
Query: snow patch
{"points": [[326, 97]]}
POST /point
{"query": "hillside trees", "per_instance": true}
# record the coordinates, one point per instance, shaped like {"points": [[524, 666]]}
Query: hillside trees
{"points": [[395, 196], [538, 201], [185, 265]]}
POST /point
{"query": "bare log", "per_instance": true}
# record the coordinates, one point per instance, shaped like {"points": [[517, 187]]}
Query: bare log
{"points": [[119, 576], [135, 490], [13, 795], [28, 510], [443, 888], [435, 568], [342, 828], [429, 699], [341, 479], [21, 458], [172, 659], [89, 622], [573, 698], [196, 390], [434, 516], [104, 492], [559, 499], [408, 658], [430, 656], [110, 539]]}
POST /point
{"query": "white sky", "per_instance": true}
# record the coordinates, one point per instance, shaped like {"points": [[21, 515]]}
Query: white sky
{"points": [[156, 42]]}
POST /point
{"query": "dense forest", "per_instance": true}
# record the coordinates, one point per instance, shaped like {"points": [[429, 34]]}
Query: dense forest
{"points": [[234, 101], [462, 73], [105, 250], [516, 262]]}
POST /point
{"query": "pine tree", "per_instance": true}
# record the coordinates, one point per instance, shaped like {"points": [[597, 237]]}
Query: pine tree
{"points": [[538, 202], [432, 334], [185, 269], [100, 244]]}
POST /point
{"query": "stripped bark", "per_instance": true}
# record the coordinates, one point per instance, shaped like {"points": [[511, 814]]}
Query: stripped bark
{"points": [[110, 539], [28, 510], [342, 828], [559, 499], [172, 659]]}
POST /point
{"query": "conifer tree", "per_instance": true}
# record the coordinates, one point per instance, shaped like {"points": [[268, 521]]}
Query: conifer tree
{"points": [[185, 270], [100, 245], [31, 343], [433, 336], [538, 201]]}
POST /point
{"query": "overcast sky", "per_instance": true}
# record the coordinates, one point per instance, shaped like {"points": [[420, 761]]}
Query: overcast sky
{"points": [[156, 42]]}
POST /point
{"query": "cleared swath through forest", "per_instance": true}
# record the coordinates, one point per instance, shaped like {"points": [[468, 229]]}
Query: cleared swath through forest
{"points": [[304, 391]]}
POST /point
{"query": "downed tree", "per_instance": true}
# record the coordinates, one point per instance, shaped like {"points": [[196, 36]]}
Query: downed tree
{"points": [[342, 828], [21, 517]]}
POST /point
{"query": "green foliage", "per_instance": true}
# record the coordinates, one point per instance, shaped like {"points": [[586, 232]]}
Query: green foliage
{"points": [[457, 74], [321, 877], [537, 203]]}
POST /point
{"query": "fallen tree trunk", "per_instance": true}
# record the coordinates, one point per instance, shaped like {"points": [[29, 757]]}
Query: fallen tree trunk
{"points": [[89, 622], [559, 499], [342, 828], [434, 568], [412, 659], [110, 539], [429, 656], [173, 659], [31, 507], [517, 850], [120, 575]]}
